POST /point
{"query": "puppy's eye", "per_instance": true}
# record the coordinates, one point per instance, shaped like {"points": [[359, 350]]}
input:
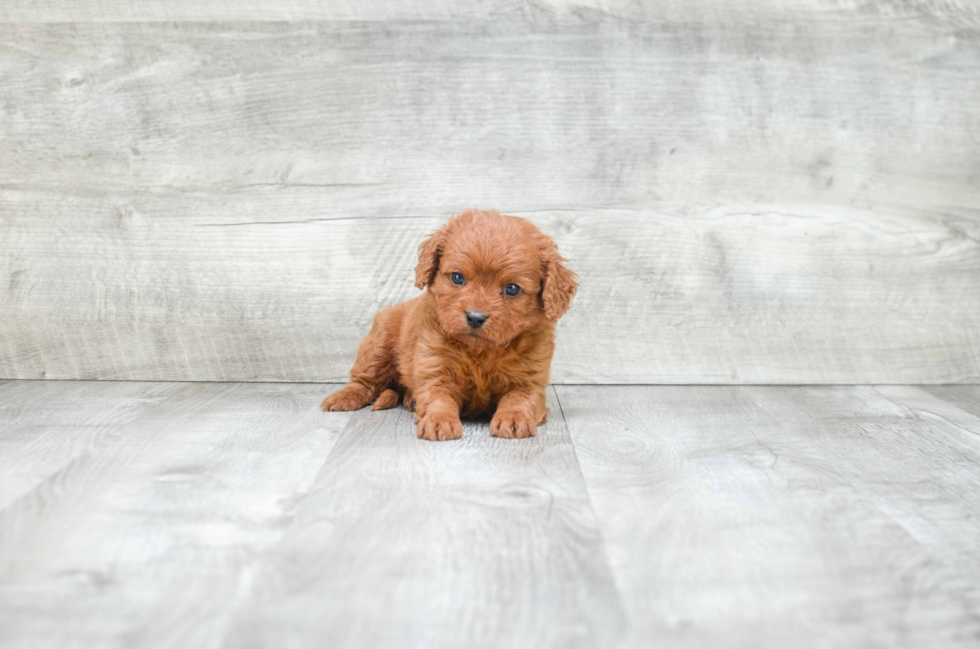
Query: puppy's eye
{"points": [[457, 279], [512, 289]]}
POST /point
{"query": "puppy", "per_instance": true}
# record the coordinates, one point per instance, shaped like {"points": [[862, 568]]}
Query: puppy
{"points": [[479, 340]]}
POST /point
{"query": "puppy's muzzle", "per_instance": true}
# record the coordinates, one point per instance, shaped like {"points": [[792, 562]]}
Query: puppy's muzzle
{"points": [[475, 319]]}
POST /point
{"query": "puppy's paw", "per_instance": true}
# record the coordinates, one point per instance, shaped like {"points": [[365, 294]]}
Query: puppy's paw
{"points": [[512, 424], [409, 402], [440, 428], [388, 399], [346, 398]]}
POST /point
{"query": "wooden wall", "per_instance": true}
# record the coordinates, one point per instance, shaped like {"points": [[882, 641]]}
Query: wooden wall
{"points": [[751, 192]]}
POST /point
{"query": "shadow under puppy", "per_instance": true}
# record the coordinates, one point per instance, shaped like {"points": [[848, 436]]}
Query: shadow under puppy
{"points": [[478, 341]]}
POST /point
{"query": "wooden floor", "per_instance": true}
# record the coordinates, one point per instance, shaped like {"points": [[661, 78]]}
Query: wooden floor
{"points": [[239, 515]]}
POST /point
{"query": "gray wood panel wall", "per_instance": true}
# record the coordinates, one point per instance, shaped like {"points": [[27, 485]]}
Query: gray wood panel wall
{"points": [[757, 192]]}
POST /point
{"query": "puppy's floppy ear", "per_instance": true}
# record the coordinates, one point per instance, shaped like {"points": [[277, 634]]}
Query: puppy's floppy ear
{"points": [[430, 251], [559, 286]]}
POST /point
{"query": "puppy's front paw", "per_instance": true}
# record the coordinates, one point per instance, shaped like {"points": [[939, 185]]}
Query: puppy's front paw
{"points": [[440, 428], [346, 398], [512, 424]]}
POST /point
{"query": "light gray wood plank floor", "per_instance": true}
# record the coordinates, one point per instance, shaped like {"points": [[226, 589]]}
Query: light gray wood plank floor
{"points": [[786, 516], [482, 543], [149, 538], [230, 514]]}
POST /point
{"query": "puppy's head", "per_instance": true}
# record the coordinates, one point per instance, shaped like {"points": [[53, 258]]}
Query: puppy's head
{"points": [[493, 277]]}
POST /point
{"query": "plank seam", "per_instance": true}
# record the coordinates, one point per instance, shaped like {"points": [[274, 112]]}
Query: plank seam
{"points": [[595, 517]]}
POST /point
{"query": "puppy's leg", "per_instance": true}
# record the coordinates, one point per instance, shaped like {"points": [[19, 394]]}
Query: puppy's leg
{"points": [[375, 367], [438, 416], [352, 396], [388, 399], [519, 413]]}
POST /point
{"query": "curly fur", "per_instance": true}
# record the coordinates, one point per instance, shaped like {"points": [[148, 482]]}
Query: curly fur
{"points": [[424, 352]]}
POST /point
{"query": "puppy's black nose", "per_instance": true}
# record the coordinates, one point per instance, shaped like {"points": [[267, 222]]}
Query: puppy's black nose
{"points": [[476, 319]]}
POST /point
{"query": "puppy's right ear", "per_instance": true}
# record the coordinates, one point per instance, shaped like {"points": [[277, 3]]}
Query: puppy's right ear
{"points": [[430, 251]]}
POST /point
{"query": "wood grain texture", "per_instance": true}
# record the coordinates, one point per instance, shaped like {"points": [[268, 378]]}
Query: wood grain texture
{"points": [[239, 515], [749, 203], [963, 397], [150, 539], [724, 297], [958, 12], [47, 424], [483, 542], [735, 517]]}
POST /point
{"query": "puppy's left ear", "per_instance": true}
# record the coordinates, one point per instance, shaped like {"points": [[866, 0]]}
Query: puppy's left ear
{"points": [[430, 251], [559, 287]]}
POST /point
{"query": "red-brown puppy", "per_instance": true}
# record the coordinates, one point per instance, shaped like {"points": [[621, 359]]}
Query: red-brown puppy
{"points": [[478, 341]]}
